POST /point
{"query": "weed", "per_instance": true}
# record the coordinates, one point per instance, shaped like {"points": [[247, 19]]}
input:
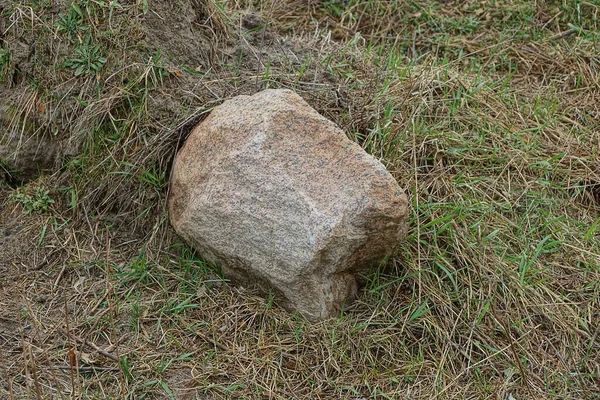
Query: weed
{"points": [[39, 202], [88, 60], [153, 178], [71, 23], [137, 270]]}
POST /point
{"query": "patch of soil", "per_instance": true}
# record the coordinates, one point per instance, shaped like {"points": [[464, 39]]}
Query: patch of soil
{"points": [[17, 244], [184, 31]]}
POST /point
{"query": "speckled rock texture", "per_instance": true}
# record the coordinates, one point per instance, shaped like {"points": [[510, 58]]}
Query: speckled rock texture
{"points": [[282, 200]]}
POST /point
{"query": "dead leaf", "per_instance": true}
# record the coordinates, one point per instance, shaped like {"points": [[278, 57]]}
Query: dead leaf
{"points": [[78, 285], [72, 358], [87, 358]]}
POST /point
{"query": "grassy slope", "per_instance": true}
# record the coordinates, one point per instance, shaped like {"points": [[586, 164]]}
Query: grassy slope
{"points": [[486, 112]]}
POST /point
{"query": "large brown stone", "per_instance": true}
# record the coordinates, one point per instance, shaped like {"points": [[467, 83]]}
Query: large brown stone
{"points": [[280, 198]]}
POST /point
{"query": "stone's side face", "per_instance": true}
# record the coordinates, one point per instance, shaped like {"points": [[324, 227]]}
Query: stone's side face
{"points": [[280, 198]]}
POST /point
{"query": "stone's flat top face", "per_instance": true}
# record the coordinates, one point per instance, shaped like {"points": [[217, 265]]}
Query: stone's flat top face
{"points": [[269, 180]]}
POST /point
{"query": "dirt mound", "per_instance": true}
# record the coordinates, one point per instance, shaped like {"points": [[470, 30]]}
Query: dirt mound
{"points": [[189, 32], [159, 69]]}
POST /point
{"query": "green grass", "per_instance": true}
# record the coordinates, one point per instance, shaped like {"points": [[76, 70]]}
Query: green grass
{"points": [[486, 115]]}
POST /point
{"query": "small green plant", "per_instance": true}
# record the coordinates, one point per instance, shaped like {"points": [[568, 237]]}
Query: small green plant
{"points": [[41, 4], [126, 368], [153, 178], [88, 59], [336, 7], [39, 202], [72, 23], [267, 76]]}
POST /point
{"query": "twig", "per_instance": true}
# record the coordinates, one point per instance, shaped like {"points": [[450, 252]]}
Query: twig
{"points": [[86, 369], [206, 338], [95, 307], [8, 381], [513, 349], [24, 347], [563, 34], [36, 381], [90, 344], [59, 277], [45, 261], [10, 387], [112, 312], [72, 357]]}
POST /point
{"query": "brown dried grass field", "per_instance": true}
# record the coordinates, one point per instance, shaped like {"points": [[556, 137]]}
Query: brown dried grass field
{"points": [[487, 113]]}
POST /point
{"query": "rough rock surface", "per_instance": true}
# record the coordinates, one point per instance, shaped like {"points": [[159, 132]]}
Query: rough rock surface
{"points": [[281, 199]]}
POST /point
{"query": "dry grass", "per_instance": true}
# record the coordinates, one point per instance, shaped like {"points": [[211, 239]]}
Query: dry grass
{"points": [[486, 113]]}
